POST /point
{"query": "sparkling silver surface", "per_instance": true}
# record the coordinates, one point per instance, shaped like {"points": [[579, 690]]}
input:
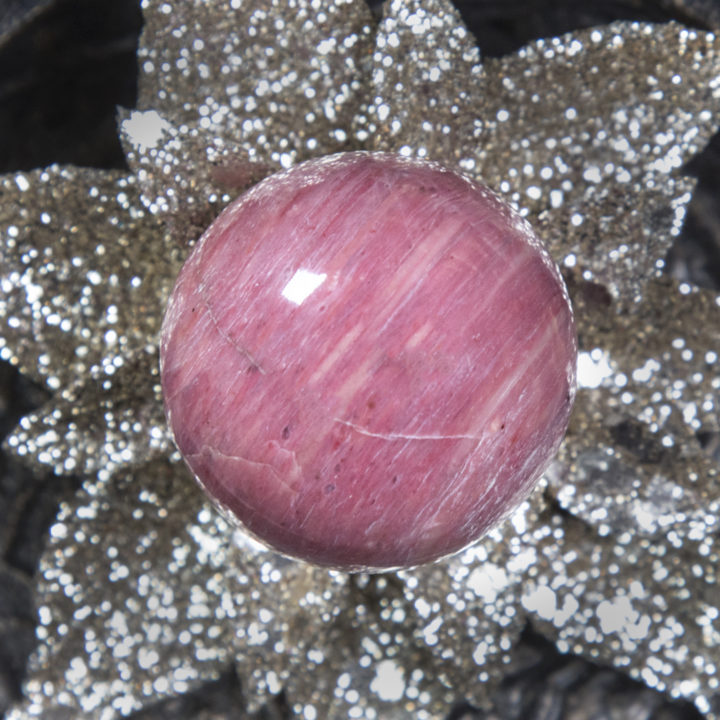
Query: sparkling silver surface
{"points": [[144, 591]]}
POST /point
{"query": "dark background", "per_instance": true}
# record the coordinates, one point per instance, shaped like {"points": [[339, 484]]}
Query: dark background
{"points": [[65, 66]]}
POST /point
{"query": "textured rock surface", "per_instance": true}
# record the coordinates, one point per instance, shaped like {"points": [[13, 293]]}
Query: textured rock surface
{"points": [[368, 361]]}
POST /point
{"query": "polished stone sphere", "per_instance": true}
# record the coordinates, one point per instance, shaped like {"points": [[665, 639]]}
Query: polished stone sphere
{"points": [[368, 361]]}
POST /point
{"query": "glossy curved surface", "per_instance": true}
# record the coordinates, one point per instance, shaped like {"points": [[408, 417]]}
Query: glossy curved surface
{"points": [[368, 361]]}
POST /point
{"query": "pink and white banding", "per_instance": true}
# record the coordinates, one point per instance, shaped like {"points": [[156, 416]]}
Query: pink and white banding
{"points": [[368, 361]]}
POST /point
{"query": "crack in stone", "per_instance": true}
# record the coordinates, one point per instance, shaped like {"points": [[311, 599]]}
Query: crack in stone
{"points": [[213, 452], [403, 436], [243, 351]]}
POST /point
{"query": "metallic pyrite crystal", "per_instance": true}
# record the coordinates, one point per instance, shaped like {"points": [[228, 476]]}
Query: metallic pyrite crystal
{"points": [[144, 591]]}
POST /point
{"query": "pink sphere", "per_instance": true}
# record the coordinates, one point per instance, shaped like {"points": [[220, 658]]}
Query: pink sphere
{"points": [[368, 361]]}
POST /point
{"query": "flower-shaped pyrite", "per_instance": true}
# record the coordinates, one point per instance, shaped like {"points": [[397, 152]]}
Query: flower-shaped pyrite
{"points": [[144, 591]]}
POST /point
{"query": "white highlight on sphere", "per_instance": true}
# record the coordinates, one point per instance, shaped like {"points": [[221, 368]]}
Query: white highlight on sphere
{"points": [[302, 284]]}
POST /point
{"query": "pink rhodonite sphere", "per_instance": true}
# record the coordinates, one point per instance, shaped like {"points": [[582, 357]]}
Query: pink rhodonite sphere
{"points": [[368, 361]]}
